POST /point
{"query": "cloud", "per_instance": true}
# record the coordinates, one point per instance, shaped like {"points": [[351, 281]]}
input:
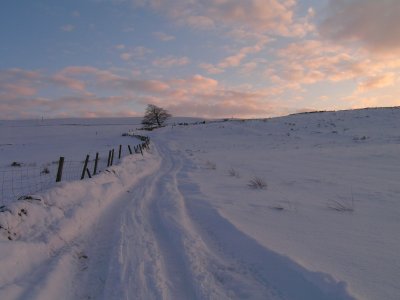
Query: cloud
{"points": [[120, 47], [163, 36], [16, 83], [171, 61], [210, 68], [67, 27], [312, 61], [222, 103], [196, 84], [236, 59], [359, 101], [375, 24], [377, 82], [88, 92], [262, 15], [63, 78], [272, 16], [79, 77], [133, 53], [67, 106], [126, 56], [200, 22]]}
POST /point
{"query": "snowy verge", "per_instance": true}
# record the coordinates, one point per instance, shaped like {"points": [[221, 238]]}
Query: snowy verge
{"points": [[40, 229]]}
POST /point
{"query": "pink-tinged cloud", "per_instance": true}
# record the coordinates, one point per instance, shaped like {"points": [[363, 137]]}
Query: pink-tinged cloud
{"points": [[194, 84], [19, 74], [211, 69], [272, 16], [81, 78], [69, 82], [163, 36], [67, 27], [225, 103], [377, 82], [200, 22], [376, 24], [133, 53], [313, 61], [171, 61], [120, 47], [15, 83], [192, 96], [17, 90], [263, 15], [236, 59]]}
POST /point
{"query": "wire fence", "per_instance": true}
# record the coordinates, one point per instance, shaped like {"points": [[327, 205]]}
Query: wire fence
{"points": [[22, 181]]}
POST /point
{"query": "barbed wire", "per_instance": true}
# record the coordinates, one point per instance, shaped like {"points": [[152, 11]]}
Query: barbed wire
{"points": [[19, 181]]}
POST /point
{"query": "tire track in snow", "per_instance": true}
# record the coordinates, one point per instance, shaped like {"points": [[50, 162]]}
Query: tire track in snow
{"points": [[226, 263], [214, 275], [169, 243]]}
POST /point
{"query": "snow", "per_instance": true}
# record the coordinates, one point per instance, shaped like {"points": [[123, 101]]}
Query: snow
{"points": [[181, 221]]}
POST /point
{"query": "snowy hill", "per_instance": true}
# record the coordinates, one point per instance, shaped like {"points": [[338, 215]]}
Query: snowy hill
{"points": [[298, 207]]}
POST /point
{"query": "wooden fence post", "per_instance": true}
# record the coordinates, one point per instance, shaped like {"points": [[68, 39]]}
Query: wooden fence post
{"points": [[60, 169], [109, 159], [112, 157], [119, 151], [130, 150], [85, 166], [95, 163]]}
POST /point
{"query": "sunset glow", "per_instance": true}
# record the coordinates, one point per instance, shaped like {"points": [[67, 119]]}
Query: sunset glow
{"points": [[206, 58]]}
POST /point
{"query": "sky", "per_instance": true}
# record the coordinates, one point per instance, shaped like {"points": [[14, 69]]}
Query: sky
{"points": [[205, 58]]}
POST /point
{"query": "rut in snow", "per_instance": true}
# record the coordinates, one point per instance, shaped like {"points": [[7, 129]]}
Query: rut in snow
{"points": [[161, 239], [169, 243]]}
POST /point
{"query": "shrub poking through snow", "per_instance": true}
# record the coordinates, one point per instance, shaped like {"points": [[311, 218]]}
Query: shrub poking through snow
{"points": [[45, 171], [232, 172], [257, 183], [341, 206]]}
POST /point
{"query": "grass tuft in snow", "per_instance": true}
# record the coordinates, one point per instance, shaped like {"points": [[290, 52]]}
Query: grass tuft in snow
{"points": [[45, 171], [257, 183], [341, 206], [232, 172]]}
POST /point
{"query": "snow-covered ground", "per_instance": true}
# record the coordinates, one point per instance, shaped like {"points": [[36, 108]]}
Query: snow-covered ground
{"points": [[182, 222]]}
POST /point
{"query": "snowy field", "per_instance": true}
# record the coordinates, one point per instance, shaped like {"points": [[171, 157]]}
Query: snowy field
{"points": [[185, 221], [27, 148]]}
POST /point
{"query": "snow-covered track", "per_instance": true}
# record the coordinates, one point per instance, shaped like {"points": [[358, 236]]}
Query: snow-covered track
{"points": [[161, 239]]}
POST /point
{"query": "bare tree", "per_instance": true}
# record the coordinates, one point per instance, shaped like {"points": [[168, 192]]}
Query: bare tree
{"points": [[155, 116]]}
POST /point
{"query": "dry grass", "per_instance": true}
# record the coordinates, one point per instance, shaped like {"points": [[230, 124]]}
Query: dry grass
{"points": [[341, 206], [257, 183], [232, 172]]}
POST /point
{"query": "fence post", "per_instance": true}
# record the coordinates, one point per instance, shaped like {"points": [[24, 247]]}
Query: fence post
{"points": [[130, 150], [95, 163], [112, 157], [109, 158], [60, 169], [119, 151], [85, 167]]}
